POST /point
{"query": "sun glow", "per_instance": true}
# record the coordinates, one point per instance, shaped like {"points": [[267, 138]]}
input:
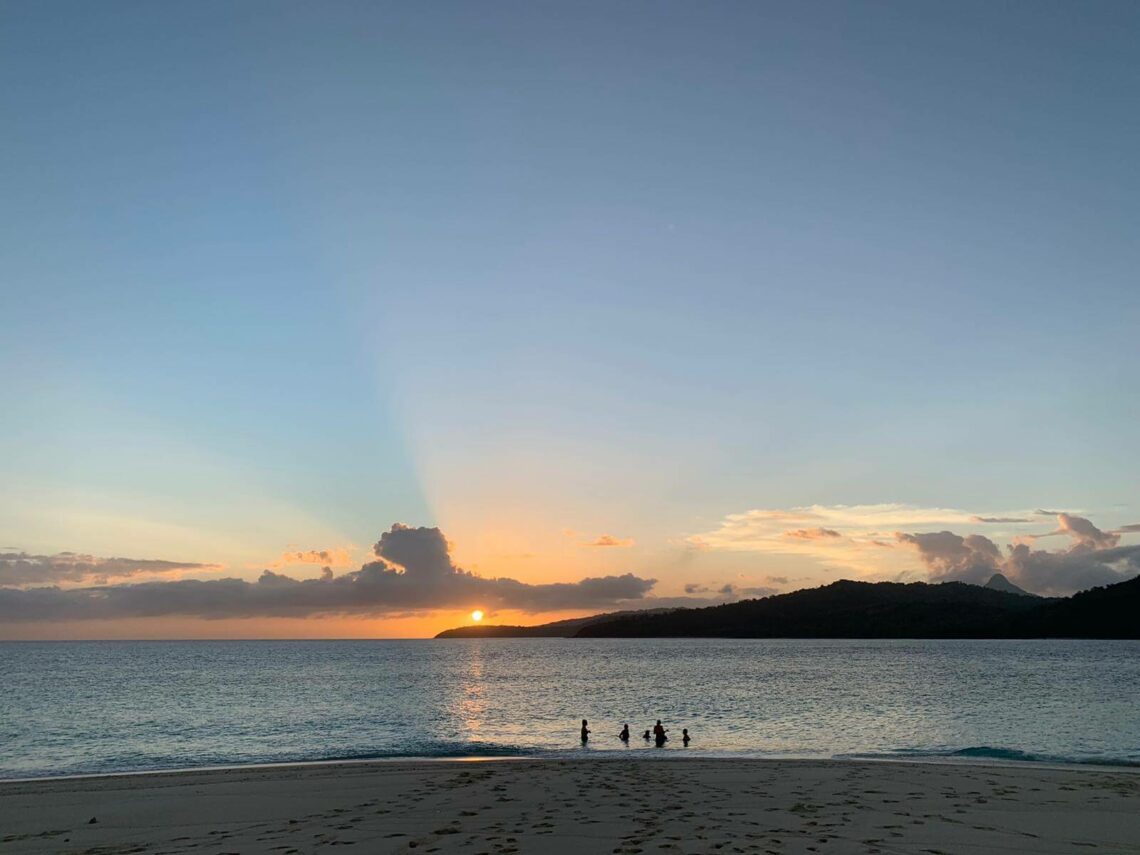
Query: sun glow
{"points": [[477, 615]]}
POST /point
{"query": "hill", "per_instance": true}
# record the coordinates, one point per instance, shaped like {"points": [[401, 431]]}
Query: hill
{"points": [[1112, 611], [843, 609], [998, 582], [847, 609]]}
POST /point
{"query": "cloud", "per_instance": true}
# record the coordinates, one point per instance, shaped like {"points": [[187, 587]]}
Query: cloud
{"points": [[339, 557], [1085, 533], [865, 540], [950, 556], [878, 541], [610, 540], [812, 533], [413, 571], [728, 590], [1093, 558], [1079, 568], [19, 569], [1078, 528], [752, 528], [842, 537]]}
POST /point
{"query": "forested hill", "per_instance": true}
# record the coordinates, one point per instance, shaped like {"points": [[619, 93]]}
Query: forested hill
{"points": [[848, 609]]}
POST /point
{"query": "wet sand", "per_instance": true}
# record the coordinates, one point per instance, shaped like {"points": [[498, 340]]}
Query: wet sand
{"points": [[583, 806]]}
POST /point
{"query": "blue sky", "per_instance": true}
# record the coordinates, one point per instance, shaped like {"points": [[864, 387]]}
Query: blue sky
{"points": [[283, 274]]}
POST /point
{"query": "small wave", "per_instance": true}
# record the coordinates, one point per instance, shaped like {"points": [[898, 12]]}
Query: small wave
{"points": [[989, 752], [433, 750], [182, 763]]}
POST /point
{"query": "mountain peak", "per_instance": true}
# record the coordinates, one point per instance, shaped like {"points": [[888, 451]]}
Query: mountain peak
{"points": [[998, 582]]}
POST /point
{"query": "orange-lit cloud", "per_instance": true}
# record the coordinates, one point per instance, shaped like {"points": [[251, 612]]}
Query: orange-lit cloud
{"points": [[812, 533], [610, 540]]}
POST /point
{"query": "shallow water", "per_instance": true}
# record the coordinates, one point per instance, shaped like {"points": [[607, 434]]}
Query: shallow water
{"points": [[78, 707]]}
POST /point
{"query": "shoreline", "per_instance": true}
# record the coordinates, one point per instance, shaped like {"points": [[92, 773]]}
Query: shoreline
{"points": [[627, 804], [610, 756]]}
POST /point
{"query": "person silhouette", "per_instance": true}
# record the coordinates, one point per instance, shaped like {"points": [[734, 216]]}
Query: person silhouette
{"points": [[685, 736], [645, 736], [624, 735], [659, 734], [585, 732]]}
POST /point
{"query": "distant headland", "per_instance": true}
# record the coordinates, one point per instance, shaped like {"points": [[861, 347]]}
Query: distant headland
{"points": [[847, 609]]}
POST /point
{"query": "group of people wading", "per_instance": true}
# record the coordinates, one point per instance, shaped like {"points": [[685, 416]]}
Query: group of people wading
{"points": [[657, 733]]}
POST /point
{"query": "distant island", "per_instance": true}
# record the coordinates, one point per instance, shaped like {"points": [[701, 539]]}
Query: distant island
{"points": [[847, 609]]}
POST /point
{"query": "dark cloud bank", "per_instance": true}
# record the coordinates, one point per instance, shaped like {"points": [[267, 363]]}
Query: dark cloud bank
{"points": [[413, 571], [1093, 558]]}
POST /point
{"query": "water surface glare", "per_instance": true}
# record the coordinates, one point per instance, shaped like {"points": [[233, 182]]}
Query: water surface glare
{"points": [[84, 707]]}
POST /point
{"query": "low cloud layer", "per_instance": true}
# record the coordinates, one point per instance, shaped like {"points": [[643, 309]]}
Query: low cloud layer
{"points": [[412, 571], [19, 569], [1094, 557]]}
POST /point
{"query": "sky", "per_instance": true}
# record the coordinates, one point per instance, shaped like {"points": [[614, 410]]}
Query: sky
{"points": [[579, 306]]}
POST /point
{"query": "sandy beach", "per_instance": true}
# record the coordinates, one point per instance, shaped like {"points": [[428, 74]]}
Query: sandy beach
{"points": [[576, 806]]}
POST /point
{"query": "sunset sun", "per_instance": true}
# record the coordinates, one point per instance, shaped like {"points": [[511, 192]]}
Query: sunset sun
{"points": [[477, 615]]}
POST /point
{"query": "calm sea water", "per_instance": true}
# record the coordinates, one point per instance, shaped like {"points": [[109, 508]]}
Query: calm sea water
{"points": [[68, 708]]}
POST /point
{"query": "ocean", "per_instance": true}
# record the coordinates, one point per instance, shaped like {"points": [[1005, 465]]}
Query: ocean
{"points": [[97, 707]]}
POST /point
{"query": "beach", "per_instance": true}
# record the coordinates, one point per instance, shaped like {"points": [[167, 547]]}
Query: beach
{"points": [[668, 804]]}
